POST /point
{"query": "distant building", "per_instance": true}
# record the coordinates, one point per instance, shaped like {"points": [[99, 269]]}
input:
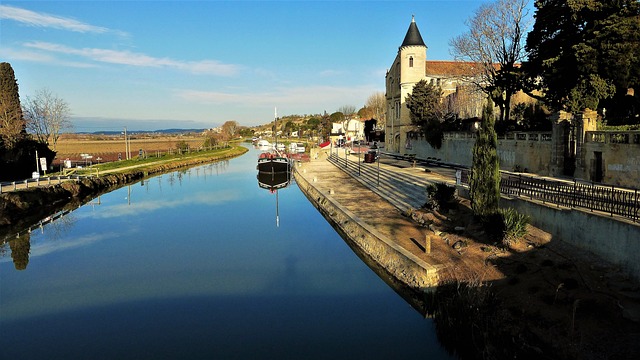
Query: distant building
{"points": [[348, 130]]}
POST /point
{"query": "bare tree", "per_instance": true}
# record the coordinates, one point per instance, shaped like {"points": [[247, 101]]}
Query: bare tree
{"points": [[495, 43], [347, 110], [47, 116], [230, 129], [378, 105]]}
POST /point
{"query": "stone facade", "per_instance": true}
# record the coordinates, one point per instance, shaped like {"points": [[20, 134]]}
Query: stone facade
{"points": [[409, 67], [573, 149]]}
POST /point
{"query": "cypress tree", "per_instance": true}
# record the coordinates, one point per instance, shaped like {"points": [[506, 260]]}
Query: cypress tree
{"points": [[12, 125], [484, 183]]}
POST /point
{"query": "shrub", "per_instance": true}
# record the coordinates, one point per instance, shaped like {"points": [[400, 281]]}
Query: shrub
{"points": [[506, 226], [182, 146], [439, 196], [515, 224]]}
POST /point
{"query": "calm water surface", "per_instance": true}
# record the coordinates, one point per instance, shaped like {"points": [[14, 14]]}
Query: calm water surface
{"points": [[192, 265]]}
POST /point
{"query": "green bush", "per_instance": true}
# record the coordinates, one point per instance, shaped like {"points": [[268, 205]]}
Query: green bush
{"points": [[506, 225], [182, 145], [515, 224], [440, 196]]}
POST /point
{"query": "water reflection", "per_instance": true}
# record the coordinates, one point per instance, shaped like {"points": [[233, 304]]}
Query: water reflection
{"points": [[274, 182], [197, 269], [60, 223], [20, 251]]}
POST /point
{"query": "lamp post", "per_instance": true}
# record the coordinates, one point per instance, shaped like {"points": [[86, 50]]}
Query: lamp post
{"points": [[359, 160], [378, 156]]}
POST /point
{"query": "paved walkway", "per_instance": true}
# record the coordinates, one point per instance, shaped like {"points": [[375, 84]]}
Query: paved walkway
{"points": [[379, 194], [30, 183]]}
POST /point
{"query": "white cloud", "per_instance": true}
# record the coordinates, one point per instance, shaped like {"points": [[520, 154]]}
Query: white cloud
{"points": [[137, 207], [121, 57], [36, 56], [311, 96], [35, 19]]}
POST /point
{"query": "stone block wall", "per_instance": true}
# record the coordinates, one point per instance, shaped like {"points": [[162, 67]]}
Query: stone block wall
{"points": [[530, 150], [619, 151]]}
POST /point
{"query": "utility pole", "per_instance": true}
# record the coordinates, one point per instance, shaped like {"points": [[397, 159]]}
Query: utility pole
{"points": [[126, 144]]}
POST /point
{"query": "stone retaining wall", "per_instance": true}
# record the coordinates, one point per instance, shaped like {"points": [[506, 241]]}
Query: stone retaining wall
{"points": [[398, 262]]}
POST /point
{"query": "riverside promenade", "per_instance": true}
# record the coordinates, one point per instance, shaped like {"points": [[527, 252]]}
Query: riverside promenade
{"points": [[380, 198]]}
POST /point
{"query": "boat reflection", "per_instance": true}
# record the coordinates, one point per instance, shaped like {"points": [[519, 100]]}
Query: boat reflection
{"points": [[274, 181]]}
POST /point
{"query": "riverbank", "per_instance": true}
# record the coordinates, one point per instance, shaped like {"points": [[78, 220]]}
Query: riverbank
{"points": [[21, 208], [538, 299]]}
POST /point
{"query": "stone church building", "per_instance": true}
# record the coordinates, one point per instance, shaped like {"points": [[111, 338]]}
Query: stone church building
{"points": [[409, 67]]}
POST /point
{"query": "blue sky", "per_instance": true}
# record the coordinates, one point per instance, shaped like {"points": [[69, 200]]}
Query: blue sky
{"points": [[196, 64]]}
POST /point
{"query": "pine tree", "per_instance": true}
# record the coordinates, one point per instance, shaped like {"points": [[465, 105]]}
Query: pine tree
{"points": [[12, 125], [484, 184]]}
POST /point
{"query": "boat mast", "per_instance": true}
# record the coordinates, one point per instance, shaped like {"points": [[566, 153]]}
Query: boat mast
{"points": [[275, 124], [277, 210]]}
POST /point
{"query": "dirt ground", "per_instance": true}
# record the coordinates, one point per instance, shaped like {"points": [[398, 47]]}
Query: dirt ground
{"points": [[107, 147], [560, 302]]}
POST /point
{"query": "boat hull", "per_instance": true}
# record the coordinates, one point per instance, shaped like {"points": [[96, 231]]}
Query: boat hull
{"points": [[274, 165], [273, 181]]}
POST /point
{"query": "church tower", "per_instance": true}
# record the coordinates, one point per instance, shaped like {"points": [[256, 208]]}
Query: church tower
{"points": [[408, 68]]}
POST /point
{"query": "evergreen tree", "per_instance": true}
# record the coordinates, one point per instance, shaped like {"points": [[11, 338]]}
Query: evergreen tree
{"points": [[12, 125], [427, 111], [484, 183], [584, 51]]}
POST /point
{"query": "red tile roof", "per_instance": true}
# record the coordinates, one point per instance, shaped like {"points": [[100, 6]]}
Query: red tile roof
{"points": [[450, 68]]}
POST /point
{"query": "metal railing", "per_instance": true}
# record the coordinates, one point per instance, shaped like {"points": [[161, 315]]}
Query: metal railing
{"points": [[49, 180], [573, 194]]}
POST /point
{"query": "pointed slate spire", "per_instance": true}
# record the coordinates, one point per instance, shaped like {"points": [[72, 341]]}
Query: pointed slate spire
{"points": [[413, 37]]}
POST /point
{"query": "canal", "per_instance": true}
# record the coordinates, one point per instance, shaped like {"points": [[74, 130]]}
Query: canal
{"points": [[200, 264]]}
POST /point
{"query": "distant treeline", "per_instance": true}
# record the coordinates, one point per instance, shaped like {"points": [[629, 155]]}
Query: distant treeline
{"points": [[164, 131]]}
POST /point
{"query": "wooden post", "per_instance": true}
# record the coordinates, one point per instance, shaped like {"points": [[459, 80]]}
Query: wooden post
{"points": [[427, 244]]}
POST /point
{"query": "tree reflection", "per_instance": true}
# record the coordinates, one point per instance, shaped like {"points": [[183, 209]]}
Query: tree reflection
{"points": [[61, 225], [20, 248]]}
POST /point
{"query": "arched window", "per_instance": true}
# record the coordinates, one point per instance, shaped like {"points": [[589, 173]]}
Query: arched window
{"points": [[410, 61]]}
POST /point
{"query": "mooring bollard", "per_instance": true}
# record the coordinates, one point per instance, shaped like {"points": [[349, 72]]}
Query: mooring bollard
{"points": [[427, 244]]}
